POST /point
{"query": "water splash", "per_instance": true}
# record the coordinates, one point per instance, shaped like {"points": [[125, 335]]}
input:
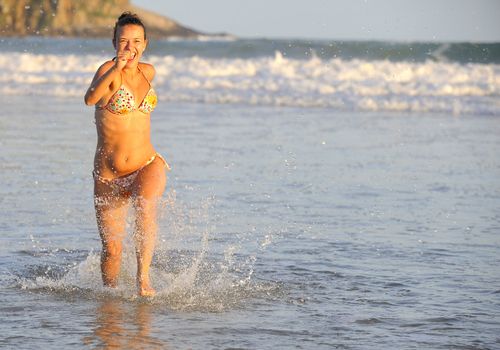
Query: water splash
{"points": [[193, 269]]}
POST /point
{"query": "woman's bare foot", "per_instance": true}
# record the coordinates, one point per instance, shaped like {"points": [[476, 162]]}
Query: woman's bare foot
{"points": [[144, 289]]}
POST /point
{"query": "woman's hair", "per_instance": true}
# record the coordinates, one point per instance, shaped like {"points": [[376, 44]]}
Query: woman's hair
{"points": [[128, 18]]}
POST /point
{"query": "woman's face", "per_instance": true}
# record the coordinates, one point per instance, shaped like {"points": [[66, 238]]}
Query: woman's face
{"points": [[130, 37]]}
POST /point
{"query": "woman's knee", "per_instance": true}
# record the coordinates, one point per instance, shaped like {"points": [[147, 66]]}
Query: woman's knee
{"points": [[146, 208], [113, 248]]}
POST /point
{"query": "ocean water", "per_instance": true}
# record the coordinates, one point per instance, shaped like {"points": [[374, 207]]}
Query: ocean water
{"points": [[345, 76], [323, 196]]}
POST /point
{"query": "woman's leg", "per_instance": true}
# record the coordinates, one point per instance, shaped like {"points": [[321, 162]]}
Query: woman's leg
{"points": [[111, 211], [147, 191]]}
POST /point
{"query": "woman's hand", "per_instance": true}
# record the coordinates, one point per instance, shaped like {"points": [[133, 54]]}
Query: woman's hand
{"points": [[122, 58]]}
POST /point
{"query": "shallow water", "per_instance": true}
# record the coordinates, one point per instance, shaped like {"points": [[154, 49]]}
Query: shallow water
{"points": [[282, 228]]}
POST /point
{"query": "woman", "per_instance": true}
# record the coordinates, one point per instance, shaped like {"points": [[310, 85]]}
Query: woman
{"points": [[126, 166]]}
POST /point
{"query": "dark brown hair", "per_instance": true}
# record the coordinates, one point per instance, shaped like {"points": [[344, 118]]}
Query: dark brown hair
{"points": [[128, 18]]}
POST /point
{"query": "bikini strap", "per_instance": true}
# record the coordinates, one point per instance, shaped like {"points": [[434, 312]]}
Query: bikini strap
{"points": [[121, 78], [119, 87], [144, 75]]}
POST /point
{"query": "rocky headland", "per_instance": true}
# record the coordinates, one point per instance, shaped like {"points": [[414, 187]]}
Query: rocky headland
{"points": [[87, 18]]}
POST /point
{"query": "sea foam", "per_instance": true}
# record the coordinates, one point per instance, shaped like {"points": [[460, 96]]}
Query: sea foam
{"points": [[339, 84]]}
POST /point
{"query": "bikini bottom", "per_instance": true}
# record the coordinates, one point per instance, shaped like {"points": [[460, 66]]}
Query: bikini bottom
{"points": [[121, 185]]}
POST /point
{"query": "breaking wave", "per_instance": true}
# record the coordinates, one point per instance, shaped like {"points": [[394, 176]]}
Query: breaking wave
{"points": [[339, 84]]}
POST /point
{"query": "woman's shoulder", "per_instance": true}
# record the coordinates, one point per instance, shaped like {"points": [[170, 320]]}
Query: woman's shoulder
{"points": [[103, 68], [108, 63], [148, 69]]}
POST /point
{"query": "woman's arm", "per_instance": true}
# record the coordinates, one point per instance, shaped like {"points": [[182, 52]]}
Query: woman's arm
{"points": [[104, 76], [101, 83]]}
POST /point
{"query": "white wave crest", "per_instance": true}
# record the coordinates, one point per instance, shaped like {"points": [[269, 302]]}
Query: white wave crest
{"points": [[339, 84]]}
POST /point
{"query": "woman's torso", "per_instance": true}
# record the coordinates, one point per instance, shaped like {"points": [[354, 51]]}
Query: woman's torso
{"points": [[123, 134]]}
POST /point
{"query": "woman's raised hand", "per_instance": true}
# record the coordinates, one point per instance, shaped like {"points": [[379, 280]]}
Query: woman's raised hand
{"points": [[122, 58]]}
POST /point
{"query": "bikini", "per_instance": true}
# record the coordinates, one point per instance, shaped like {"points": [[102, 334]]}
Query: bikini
{"points": [[122, 102]]}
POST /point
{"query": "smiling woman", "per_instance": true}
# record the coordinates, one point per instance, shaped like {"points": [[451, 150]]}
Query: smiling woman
{"points": [[126, 165]]}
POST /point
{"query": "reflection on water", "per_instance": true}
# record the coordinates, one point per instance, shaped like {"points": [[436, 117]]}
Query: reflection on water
{"points": [[120, 325]]}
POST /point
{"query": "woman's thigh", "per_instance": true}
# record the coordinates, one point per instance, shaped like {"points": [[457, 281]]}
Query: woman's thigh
{"points": [[151, 181], [111, 209]]}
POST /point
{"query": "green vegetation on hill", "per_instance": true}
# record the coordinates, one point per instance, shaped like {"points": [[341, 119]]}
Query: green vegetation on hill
{"points": [[78, 18]]}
